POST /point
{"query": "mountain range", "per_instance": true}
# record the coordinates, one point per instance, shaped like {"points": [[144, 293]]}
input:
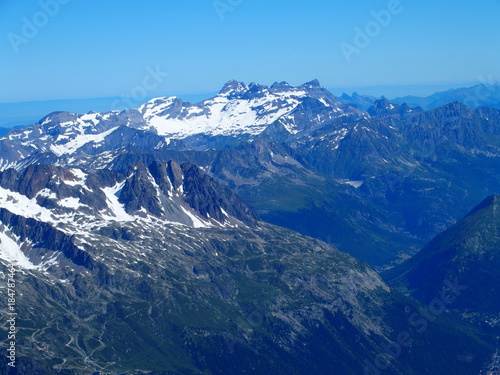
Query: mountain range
{"points": [[481, 95], [177, 237], [332, 160], [26, 113]]}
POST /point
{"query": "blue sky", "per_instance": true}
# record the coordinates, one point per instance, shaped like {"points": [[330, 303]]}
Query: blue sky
{"points": [[89, 48]]}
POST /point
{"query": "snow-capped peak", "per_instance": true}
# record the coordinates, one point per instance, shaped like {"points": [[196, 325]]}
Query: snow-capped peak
{"points": [[238, 111], [312, 84], [233, 87]]}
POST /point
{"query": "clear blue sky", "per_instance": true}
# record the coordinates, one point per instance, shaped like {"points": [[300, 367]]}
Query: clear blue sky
{"points": [[91, 48]]}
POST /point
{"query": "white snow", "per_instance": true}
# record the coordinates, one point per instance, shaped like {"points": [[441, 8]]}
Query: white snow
{"points": [[79, 141], [70, 203], [46, 193], [289, 123], [21, 205], [223, 117], [49, 262], [224, 212], [323, 101], [10, 251], [356, 184], [116, 208], [94, 118], [46, 121], [79, 175], [197, 223], [172, 119]]}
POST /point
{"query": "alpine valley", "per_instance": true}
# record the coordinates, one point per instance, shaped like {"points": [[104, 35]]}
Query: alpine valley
{"points": [[243, 235]]}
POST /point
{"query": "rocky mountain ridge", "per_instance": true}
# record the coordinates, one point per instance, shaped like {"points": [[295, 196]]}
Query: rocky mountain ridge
{"points": [[103, 271]]}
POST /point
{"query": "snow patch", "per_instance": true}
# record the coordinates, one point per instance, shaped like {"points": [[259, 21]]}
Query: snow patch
{"points": [[79, 141], [197, 223], [11, 252], [79, 175], [116, 208], [21, 205], [70, 203]]}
